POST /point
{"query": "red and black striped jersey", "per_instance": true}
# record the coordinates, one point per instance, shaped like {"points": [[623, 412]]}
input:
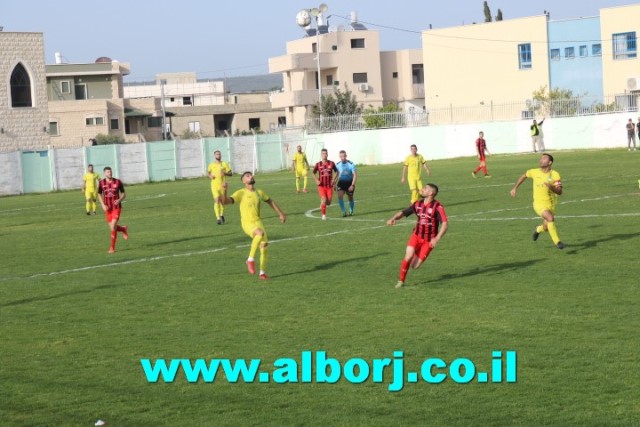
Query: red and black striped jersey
{"points": [[481, 146], [110, 191], [430, 216], [325, 172]]}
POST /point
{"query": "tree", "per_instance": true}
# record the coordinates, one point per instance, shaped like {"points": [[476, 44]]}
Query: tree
{"points": [[102, 139], [376, 119], [487, 12], [555, 102], [338, 104], [499, 15]]}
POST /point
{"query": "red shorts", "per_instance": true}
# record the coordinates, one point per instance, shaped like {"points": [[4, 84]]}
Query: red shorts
{"points": [[482, 158], [421, 246], [326, 192], [113, 215]]}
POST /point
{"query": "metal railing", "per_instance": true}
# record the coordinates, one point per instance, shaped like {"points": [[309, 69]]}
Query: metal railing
{"points": [[482, 113]]}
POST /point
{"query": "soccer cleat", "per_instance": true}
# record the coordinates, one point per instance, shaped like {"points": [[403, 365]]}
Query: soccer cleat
{"points": [[112, 250], [400, 284], [350, 213], [560, 245], [473, 174], [305, 191], [344, 214], [487, 176], [93, 213], [219, 221], [263, 276], [535, 234], [88, 213], [324, 217], [297, 191], [251, 266], [222, 219], [125, 233]]}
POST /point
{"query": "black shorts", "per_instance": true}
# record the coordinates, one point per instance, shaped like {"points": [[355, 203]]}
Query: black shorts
{"points": [[344, 186]]}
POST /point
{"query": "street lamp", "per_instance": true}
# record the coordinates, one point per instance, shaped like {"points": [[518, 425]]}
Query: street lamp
{"points": [[304, 19]]}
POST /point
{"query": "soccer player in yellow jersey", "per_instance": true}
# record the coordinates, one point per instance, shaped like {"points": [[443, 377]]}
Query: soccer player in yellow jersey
{"points": [[300, 169], [249, 199], [547, 186], [412, 169], [218, 172], [90, 189]]}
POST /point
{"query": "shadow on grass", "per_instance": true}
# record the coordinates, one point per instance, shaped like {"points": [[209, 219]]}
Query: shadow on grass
{"points": [[574, 248], [188, 239], [61, 295], [333, 264], [482, 270]]}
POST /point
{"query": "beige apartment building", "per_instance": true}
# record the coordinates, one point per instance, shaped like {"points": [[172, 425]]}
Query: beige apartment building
{"points": [[345, 58], [24, 109]]}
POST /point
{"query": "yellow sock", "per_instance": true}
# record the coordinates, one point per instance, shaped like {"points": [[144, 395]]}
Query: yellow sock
{"points": [[94, 205], [216, 209], [297, 184], [88, 206], [221, 209], [254, 246], [305, 182], [540, 229], [263, 259], [553, 232]]}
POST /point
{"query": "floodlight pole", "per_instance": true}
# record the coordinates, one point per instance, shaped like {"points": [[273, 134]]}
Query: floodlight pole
{"points": [[164, 127], [318, 58]]}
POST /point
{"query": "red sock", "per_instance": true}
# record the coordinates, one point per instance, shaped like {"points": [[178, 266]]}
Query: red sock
{"points": [[477, 169], [323, 209], [114, 236], [404, 269], [120, 228], [484, 169]]}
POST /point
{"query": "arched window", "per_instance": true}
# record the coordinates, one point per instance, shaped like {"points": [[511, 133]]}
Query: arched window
{"points": [[20, 87]]}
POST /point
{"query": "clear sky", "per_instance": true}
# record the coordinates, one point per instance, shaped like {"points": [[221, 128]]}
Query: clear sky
{"points": [[236, 38]]}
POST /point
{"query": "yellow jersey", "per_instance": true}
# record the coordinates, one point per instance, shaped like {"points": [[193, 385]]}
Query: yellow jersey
{"points": [[218, 170], [90, 179], [541, 193], [249, 202], [301, 161], [414, 165]]}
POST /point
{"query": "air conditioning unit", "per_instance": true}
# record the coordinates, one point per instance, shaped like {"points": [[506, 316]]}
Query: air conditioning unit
{"points": [[363, 87], [633, 83]]}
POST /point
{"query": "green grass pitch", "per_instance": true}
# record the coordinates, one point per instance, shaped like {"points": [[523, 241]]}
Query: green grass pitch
{"points": [[75, 321]]}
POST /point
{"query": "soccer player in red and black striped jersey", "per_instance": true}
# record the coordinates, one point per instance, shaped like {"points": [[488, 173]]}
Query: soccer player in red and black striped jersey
{"points": [[431, 226], [111, 193], [481, 147], [325, 180]]}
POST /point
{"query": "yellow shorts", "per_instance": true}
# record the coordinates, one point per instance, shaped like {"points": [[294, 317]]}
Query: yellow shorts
{"points": [[216, 192], [250, 227], [415, 184], [93, 195], [301, 173], [541, 207]]}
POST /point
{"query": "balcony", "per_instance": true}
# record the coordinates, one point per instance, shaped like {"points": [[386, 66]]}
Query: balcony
{"points": [[298, 98], [295, 62], [418, 90]]}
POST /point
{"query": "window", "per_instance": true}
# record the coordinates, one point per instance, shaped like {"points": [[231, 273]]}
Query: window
{"points": [[282, 121], [357, 43], [65, 87], [94, 121], [360, 77], [115, 124], [394, 75], [53, 129], [624, 45], [417, 73], [81, 91], [329, 80], [524, 56], [20, 88], [154, 122], [583, 51], [596, 49], [194, 126], [187, 100], [314, 47], [555, 54], [569, 52], [254, 123]]}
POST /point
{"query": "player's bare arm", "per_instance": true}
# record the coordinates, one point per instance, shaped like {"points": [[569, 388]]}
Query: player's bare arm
{"points": [[276, 208], [518, 184], [404, 173], [443, 229], [426, 168]]}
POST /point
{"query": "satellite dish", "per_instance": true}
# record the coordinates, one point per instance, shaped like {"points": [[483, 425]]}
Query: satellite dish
{"points": [[303, 18], [315, 12], [323, 7]]}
